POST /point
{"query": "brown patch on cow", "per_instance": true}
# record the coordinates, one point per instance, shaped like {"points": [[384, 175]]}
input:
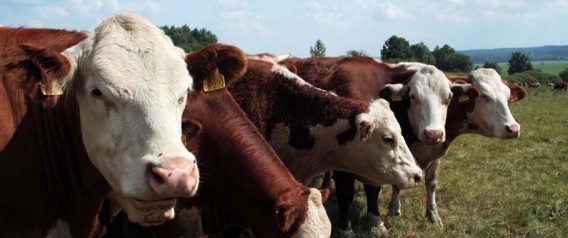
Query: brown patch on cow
{"points": [[270, 98], [57, 167]]}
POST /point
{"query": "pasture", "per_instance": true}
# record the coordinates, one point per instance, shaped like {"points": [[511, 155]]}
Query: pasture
{"points": [[491, 187], [551, 67]]}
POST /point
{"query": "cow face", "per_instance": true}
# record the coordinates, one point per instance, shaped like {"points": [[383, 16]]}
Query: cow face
{"points": [[491, 115], [428, 92], [132, 85], [395, 161]]}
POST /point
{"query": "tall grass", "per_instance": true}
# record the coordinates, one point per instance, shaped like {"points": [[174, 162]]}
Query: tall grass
{"points": [[492, 187]]}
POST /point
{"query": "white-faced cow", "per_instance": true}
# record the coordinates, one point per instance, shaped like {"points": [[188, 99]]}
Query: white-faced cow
{"points": [[83, 114]]}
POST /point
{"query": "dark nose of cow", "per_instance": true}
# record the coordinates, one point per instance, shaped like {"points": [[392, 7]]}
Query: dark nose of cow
{"points": [[433, 136], [513, 130], [173, 178], [417, 178]]}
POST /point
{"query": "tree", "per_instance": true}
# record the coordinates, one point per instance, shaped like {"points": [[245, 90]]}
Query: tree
{"points": [[318, 50], [421, 53], [395, 49], [492, 64], [519, 62], [441, 55], [356, 53], [564, 74], [188, 39], [447, 59]]}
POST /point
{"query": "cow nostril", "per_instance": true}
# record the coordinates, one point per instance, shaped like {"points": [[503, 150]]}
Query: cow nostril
{"points": [[152, 175], [417, 178]]}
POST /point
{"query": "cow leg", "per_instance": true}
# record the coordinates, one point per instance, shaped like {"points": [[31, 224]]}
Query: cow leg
{"points": [[373, 194], [326, 182], [431, 208], [394, 205], [344, 189]]}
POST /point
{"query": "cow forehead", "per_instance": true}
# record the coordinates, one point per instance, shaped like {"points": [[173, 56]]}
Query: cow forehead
{"points": [[130, 50], [428, 80], [384, 118], [488, 82]]}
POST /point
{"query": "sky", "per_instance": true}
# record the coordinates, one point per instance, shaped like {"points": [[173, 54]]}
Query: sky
{"points": [[292, 26]]}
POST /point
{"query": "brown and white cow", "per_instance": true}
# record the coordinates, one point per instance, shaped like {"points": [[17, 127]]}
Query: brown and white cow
{"points": [[560, 85], [484, 111], [314, 131], [82, 114], [244, 182], [422, 90]]}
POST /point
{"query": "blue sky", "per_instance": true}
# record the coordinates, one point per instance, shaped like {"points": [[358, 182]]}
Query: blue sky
{"points": [[281, 26]]}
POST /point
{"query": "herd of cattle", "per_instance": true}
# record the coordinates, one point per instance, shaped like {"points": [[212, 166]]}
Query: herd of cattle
{"points": [[216, 141]]}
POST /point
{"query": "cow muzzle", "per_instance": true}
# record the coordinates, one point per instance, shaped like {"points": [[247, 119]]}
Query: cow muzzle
{"points": [[433, 137], [512, 131], [176, 177]]}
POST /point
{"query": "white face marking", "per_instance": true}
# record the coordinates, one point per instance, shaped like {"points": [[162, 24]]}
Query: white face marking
{"points": [[317, 224], [491, 112], [430, 94], [60, 230], [132, 85], [384, 158]]}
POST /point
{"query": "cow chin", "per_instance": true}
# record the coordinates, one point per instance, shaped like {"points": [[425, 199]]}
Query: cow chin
{"points": [[144, 212]]}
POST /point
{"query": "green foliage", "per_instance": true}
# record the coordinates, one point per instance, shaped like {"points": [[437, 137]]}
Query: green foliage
{"points": [[356, 53], [421, 53], [490, 187], [491, 64], [519, 62], [447, 59], [188, 39], [395, 48], [533, 76], [318, 50], [564, 74]]}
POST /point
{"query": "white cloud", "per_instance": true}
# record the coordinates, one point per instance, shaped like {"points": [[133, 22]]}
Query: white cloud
{"points": [[460, 3], [52, 11], [395, 12], [235, 17]]}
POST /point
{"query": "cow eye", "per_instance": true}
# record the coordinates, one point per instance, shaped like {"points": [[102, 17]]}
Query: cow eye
{"points": [[388, 140], [96, 93], [485, 97], [412, 96]]}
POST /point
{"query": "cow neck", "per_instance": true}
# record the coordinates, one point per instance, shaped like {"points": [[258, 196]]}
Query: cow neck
{"points": [[234, 159], [400, 110], [457, 122]]}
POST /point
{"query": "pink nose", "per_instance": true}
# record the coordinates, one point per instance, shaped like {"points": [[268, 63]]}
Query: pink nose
{"points": [[514, 129], [173, 178], [433, 136]]}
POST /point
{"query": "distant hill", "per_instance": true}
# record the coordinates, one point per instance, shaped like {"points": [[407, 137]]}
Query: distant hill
{"points": [[541, 53]]}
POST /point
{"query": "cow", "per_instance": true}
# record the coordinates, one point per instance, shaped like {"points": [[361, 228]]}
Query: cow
{"points": [[314, 131], [560, 85], [483, 111], [245, 183], [422, 91], [534, 85], [84, 114]]}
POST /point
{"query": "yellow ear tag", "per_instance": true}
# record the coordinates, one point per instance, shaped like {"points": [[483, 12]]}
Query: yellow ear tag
{"points": [[463, 98], [214, 83], [397, 97], [57, 90], [513, 98], [183, 139]]}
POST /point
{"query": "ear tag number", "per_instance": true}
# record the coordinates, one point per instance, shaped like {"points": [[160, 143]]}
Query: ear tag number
{"points": [[55, 91], [183, 139], [397, 97], [214, 83]]}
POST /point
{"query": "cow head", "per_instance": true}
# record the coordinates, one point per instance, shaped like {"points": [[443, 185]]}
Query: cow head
{"points": [[491, 115], [384, 149], [131, 85], [427, 93]]}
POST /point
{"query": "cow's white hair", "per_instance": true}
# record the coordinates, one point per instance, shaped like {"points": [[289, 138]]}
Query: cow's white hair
{"points": [[60, 229], [143, 80], [491, 112], [317, 224]]}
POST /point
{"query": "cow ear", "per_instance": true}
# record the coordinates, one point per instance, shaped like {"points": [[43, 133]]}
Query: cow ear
{"points": [[464, 92], [191, 129], [324, 194], [214, 64], [401, 74], [393, 92], [517, 93], [287, 210], [51, 66]]}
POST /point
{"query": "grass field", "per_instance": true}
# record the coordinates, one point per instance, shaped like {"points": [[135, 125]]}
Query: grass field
{"points": [[551, 67], [492, 187]]}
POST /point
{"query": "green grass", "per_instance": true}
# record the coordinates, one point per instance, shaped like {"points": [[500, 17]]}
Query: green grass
{"points": [[551, 67], [492, 187]]}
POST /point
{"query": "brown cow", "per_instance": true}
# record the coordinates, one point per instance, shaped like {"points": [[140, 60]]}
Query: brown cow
{"points": [[560, 85], [245, 184], [81, 114]]}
